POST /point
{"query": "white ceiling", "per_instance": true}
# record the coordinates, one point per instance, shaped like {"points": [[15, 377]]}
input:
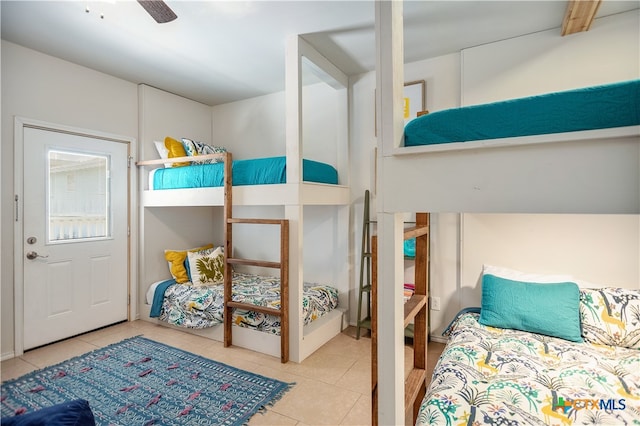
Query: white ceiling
{"points": [[221, 51]]}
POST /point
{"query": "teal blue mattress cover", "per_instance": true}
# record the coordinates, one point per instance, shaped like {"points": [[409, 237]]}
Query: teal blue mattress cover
{"points": [[589, 108], [258, 171]]}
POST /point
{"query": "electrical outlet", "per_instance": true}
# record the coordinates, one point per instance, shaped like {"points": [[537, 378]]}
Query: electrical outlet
{"points": [[435, 303]]}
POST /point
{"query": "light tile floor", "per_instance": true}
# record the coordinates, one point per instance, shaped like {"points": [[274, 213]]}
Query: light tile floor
{"points": [[332, 385]]}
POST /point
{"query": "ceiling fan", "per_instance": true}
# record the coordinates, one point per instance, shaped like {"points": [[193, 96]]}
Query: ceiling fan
{"points": [[158, 10]]}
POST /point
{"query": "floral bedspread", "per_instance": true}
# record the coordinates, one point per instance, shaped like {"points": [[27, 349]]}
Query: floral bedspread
{"points": [[508, 377], [189, 306]]}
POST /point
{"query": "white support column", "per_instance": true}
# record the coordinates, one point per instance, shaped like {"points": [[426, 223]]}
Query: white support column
{"points": [[390, 320], [293, 108], [294, 213], [389, 75], [389, 87]]}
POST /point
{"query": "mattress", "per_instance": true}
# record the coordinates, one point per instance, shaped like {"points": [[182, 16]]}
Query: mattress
{"points": [[258, 171], [504, 376], [590, 108], [190, 306]]}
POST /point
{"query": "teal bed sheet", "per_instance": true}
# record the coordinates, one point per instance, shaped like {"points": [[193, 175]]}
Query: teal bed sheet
{"points": [[259, 171], [590, 108]]}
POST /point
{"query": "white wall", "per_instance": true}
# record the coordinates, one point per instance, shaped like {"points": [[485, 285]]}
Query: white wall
{"points": [[546, 62], [600, 250], [251, 128], [41, 87], [165, 114], [255, 127]]}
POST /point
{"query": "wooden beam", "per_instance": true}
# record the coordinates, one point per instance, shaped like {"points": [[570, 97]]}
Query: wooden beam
{"points": [[579, 16]]}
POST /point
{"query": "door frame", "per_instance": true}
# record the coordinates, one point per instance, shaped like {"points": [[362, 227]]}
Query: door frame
{"points": [[18, 244]]}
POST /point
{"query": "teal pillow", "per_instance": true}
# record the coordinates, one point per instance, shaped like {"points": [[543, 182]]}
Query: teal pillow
{"points": [[549, 309], [410, 247]]}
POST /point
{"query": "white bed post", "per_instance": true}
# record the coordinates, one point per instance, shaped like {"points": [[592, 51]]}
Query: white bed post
{"points": [[389, 84], [294, 213]]}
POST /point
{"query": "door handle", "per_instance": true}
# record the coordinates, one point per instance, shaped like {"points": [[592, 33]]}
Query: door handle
{"points": [[33, 255]]}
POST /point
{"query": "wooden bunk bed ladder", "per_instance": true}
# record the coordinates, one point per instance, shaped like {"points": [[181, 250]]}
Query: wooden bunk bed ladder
{"points": [[416, 310], [282, 265]]}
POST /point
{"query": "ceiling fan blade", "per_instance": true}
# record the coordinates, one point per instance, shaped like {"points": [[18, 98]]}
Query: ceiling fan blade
{"points": [[158, 10]]}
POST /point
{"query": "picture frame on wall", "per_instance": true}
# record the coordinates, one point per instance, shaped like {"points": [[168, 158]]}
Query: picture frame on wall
{"points": [[414, 99]]}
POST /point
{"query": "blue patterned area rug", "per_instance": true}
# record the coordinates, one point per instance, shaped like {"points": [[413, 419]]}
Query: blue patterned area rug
{"points": [[142, 382]]}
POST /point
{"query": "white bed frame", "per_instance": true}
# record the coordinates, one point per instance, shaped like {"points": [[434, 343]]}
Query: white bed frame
{"points": [[305, 193], [315, 334], [582, 172], [294, 196]]}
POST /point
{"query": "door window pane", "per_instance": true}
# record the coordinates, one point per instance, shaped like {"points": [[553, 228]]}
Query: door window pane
{"points": [[78, 198]]}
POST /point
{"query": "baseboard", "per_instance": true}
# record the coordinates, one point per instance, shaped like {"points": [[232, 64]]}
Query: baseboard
{"points": [[432, 337], [7, 355], [438, 339]]}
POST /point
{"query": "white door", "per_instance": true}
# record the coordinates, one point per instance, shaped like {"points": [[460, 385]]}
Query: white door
{"points": [[75, 234]]}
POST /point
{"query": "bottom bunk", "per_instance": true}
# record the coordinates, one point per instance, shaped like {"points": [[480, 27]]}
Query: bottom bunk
{"points": [[488, 374], [199, 309]]}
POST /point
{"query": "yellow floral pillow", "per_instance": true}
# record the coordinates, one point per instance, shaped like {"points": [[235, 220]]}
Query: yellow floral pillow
{"points": [[176, 149], [610, 316], [177, 258]]}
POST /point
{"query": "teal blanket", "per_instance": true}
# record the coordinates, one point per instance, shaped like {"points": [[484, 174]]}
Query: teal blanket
{"points": [[590, 108], [158, 298], [259, 171]]}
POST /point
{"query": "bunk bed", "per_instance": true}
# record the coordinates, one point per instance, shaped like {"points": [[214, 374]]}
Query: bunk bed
{"points": [[255, 302], [546, 153], [589, 108], [202, 184], [592, 170], [299, 183]]}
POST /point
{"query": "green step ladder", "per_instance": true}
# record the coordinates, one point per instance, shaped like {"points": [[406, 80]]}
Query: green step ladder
{"points": [[365, 269], [365, 272]]}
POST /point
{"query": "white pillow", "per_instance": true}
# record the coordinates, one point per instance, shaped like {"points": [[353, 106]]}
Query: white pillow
{"points": [[163, 152], [514, 275]]}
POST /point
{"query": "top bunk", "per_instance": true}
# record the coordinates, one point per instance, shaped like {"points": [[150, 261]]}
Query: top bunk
{"points": [[313, 171], [575, 114], [575, 151], [258, 181]]}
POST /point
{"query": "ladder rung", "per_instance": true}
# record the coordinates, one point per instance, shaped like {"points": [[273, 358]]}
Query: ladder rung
{"points": [[250, 262], [365, 323], [255, 308], [408, 331], [413, 306], [365, 288], [256, 221], [412, 386], [416, 231]]}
